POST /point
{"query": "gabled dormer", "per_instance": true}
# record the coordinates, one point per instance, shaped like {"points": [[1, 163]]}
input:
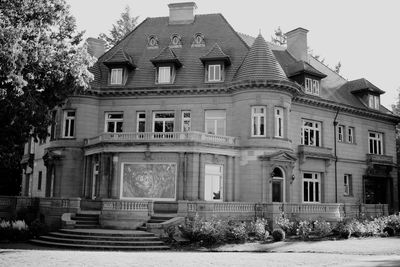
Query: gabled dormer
{"points": [[166, 64], [214, 62], [306, 75], [367, 93], [119, 65]]}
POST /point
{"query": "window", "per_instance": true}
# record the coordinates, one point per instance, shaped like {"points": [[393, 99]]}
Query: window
{"points": [[141, 122], [312, 86], [152, 42], [279, 122], [164, 74], [114, 121], [39, 185], [215, 122], [198, 40], [311, 133], [116, 76], [69, 124], [163, 122], [258, 121], [214, 73], [373, 101], [311, 187], [186, 122], [347, 183], [350, 135], [340, 133], [176, 41], [213, 182], [375, 143]]}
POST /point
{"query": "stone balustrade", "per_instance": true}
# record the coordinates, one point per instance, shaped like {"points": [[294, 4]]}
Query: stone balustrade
{"points": [[126, 205], [192, 136]]}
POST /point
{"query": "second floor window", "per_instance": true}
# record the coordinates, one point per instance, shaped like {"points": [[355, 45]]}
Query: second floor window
{"points": [[340, 133], [214, 73], [279, 122], [311, 133], [215, 122], [163, 122], [116, 76], [69, 124], [186, 122], [165, 74], [113, 122], [375, 143], [141, 122], [258, 121]]}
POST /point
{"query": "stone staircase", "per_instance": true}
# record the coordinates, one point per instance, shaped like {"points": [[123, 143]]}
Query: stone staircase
{"points": [[86, 220], [156, 219]]}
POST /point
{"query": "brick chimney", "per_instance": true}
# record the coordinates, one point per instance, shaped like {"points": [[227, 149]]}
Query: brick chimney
{"points": [[96, 47], [297, 43], [181, 13]]}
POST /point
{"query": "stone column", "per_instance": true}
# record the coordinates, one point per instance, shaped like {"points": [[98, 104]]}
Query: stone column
{"points": [[194, 177], [229, 179], [201, 177], [180, 177], [236, 179]]}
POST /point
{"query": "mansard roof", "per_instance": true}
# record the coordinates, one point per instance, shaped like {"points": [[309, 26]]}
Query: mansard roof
{"points": [[119, 58], [300, 67], [216, 53], [166, 56], [260, 63], [363, 85]]}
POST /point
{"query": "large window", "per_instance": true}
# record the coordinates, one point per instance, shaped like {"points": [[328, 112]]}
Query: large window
{"points": [[163, 122], [141, 122], [311, 187], [213, 182], [186, 121], [214, 73], [312, 86], [375, 143], [215, 122], [116, 76], [279, 122], [373, 101], [311, 133], [258, 121], [69, 124], [165, 74], [114, 121], [348, 184]]}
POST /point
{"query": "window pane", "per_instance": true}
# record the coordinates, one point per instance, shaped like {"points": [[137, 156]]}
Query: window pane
{"points": [[66, 128], [141, 127], [158, 126], [210, 127], [217, 73], [220, 127], [262, 126], [316, 192], [305, 191], [72, 127], [110, 127], [169, 126], [311, 188], [119, 127]]}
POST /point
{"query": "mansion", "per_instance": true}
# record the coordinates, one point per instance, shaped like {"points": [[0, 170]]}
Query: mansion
{"points": [[186, 115]]}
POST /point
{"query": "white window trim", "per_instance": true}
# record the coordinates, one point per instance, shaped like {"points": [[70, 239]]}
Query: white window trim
{"points": [[279, 122], [221, 181], [258, 118], [313, 180], [138, 120], [317, 130], [186, 119], [116, 76], [69, 119], [350, 135], [341, 130], [215, 119], [311, 86], [163, 120], [347, 185], [113, 120], [374, 102], [214, 71], [163, 80], [379, 143]]}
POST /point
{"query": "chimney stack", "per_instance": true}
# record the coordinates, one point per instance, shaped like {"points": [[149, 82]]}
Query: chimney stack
{"points": [[96, 47], [181, 13], [297, 43]]}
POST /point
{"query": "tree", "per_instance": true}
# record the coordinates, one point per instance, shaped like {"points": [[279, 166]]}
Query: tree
{"points": [[279, 38], [124, 25], [41, 63], [337, 67]]}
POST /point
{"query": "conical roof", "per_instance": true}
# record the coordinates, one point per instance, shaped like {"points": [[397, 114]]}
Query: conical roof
{"points": [[260, 63]]}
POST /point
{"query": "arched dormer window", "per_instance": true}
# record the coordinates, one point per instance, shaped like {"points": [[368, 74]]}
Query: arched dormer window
{"points": [[152, 42], [176, 41], [198, 40]]}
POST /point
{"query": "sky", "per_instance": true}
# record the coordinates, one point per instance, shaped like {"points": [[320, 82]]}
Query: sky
{"points": [[363, 35]]}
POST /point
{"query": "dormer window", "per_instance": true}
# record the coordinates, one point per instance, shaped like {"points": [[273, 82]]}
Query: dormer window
{"points": [[198, 40], [152, 42], [312, 86], [373, 101], [176, 41], [214, 72], [165, 74], [116, 76]]}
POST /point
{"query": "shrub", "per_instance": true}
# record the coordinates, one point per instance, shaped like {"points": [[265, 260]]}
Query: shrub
{"points": [[343, 229], [38, 228], [278, 235], [389, 231], [236, 233], [394, 222], [258, 229], [304, 229], [290, 227], [322, 228]]}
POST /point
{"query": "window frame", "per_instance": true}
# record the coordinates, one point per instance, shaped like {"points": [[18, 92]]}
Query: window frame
{"points": [[279, 126], [374, 101], [209, 72], [215, 119], [171, 74], [257, 118], [221, 181], [340, 132], [139, 120], [318, 130], [315, 178], [163, 120], [347, 185], [312, 86], [115, 120], [67, 122], [350, 135], [114, 77], [187, 120], [378, 139]]}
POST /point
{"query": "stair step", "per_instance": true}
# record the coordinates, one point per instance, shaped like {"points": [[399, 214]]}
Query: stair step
{"points": [[100, 237], [155, 221], [85, 218], [161, 217], [94, 247], [87, 222], [103, 232], [101, 242], [87, 226], [142, 228]]}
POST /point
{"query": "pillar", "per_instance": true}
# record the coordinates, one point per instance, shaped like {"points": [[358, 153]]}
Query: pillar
{"points": [[229, 179]]}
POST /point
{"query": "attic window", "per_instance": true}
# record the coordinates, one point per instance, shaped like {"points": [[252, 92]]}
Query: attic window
{"points": [[152, 42], [165, 74], [116, 76], [198, 40], [312, 86], [373, 101], [176, 41]]}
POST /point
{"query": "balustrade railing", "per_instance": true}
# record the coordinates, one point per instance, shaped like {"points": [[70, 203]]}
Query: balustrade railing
{"points": [[126, 205]]}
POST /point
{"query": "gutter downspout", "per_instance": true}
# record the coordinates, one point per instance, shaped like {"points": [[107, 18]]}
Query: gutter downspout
{"points": [[335, 123]]}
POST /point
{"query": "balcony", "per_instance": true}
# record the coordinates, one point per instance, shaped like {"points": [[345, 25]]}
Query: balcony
{"points": [[379, 159], [316, 152], [155, 137]]}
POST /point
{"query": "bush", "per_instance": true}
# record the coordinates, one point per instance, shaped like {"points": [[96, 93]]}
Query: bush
{"points": [[304, 229], [258, 228], [322, 228], [38, 228], [236, 233], [389, 231], [343, 229], [290, 227], [278, 235], [394, 222]]}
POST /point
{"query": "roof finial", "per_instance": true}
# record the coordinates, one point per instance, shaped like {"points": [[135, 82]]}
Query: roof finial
{"points": [[259, 31]]}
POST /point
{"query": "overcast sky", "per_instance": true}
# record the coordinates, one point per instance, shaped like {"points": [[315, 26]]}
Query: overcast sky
{"points": [[363, 35]]}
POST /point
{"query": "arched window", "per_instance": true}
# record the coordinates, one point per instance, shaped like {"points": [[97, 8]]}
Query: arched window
{"points": [[152, 42]]}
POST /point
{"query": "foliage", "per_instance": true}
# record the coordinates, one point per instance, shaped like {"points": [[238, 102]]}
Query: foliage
{"points": [[14, 230], [278, 235], [41, 62], [124, 25], [389, 230], [290, 227], [236, 232], [259, 228], [279, 38], [304, 229], [337, 67], [322, 228], [38, 228]]}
